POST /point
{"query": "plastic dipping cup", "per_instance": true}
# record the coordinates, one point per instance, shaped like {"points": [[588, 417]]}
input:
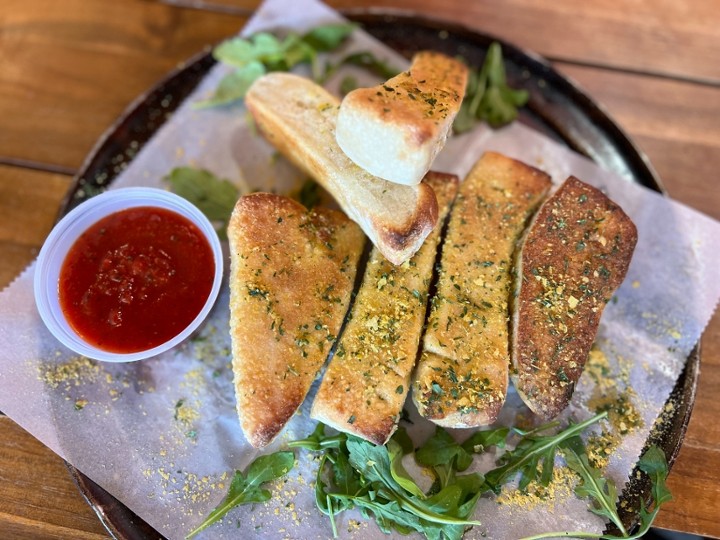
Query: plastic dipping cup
{"points": [[73, 225]]}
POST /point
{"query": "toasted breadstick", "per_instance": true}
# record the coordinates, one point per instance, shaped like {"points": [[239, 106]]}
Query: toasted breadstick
{"points": [[367, 381], [575, 254], [462, 376], [395, 130], [292, 274], [298, 117]]}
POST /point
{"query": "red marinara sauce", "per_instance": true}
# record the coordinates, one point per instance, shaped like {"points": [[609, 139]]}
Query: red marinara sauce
{"points": [[136, 279]]}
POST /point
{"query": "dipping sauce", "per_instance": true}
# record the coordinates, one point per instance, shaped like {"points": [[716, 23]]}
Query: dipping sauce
{"points": [[136, 279]]}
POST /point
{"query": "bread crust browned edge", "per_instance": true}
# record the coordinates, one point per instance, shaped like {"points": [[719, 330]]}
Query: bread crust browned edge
{"points": [[404, 240], [424, 220], [262, 437], [381, 433], [584, 339], [491, 413]]}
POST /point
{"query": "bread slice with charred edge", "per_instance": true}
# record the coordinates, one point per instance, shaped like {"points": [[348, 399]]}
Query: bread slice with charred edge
{"points": [[394, 130], [291, 277], [462, 376], [574, 256], [298, 117], [367, 381]]}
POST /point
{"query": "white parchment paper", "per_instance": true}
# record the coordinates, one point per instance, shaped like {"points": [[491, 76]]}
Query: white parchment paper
{"points": [[162, 434]]}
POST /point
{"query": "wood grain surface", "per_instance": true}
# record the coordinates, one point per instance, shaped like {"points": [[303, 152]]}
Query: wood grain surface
{"points": [[68, 69]]}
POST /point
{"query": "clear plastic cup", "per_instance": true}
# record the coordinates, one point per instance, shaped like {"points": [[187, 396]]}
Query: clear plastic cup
{"points": [[67, 231]]}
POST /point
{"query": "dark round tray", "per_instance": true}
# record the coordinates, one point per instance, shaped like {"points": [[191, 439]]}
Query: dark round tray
{"points": [[557, 107]]}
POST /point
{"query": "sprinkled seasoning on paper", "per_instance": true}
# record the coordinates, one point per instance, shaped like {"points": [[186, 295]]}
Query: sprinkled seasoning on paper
{"points": [[536, 495], [143, 436]]}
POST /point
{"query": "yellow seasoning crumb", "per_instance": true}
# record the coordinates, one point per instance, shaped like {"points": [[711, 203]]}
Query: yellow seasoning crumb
{"points": [[80, 404], [76, 371], [558, 490]]}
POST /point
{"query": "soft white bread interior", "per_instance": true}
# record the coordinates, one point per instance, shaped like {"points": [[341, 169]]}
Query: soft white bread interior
{"points": [[364, 388], [462, 376], [395, 130], [291, 276], [299, 117]]}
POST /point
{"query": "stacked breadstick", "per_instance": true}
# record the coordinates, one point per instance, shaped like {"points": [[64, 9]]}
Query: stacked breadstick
{"points": [[520, 285]]}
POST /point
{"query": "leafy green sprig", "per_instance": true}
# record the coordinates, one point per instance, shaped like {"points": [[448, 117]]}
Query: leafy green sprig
{"points": [[263, 52], [534, 455], [488, 97], [215, 197], [247, 487], [603, 494], [354, 473]]}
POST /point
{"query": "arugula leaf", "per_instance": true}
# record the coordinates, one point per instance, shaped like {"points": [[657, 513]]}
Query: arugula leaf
{"points": [[654, 464], [329, 36], [262, 47], [479, 441], [263, 52], [396, 451], [318, 441], [602, 491], [247, 488], [374, 464], [215, 197], [348, 84], [488, 96], [309, 194], [234, 85], [441, 449], [532, 452]]}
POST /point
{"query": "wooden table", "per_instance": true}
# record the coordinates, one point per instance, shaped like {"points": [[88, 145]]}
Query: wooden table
{"points": [[67, 69]]}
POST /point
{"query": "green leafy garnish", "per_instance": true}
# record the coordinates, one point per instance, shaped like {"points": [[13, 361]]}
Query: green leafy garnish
{"points": [[263, 52], [215, 197], [363, 59], [348, 84], [247, 488], [488, 96], [309, 194], [354, 473], [234, 85], [601, 491], [603, 495], [534, 453]]}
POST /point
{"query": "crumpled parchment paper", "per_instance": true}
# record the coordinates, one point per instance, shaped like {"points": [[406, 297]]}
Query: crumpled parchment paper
{"points": [[162, 435]]}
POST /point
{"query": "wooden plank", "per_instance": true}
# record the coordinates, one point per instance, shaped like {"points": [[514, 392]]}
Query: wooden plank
{"points": [[675, 39], [70, 68], [39, 498], [693, 473], [29, 202]]}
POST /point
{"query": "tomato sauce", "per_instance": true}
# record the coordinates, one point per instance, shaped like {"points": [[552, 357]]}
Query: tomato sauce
{"points": [[136, 279]]}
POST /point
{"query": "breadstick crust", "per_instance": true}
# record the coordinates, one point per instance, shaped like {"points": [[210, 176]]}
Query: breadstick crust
{"points": [[462, 376], [367, 381], [291, 278], [299, 118], [574, 256], [394, 130]]}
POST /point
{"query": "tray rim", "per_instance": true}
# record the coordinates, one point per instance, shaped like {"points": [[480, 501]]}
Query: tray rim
{"points": [[103, 503]]}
